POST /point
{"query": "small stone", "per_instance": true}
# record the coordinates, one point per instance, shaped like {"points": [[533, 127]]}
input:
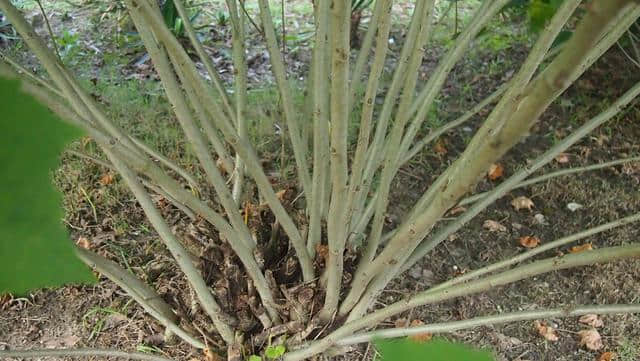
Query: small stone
{"points": [[573, 206]]}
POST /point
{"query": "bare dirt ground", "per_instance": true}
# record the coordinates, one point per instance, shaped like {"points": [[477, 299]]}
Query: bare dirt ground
{"points": [[107, 216]]}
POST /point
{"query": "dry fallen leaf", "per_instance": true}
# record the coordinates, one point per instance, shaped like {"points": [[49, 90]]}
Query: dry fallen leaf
{"points": [[280, 194], [562, 158], [419, 337], [106, 179], [322, 251], [592, 320], [590, 339], [607, 356], [401, 323], [439, 147], [496, 170], [83, 242], [581, 248], [221, 166], [522, 202], [494, 226], [545, 331], [456, 211], [529, 241]]}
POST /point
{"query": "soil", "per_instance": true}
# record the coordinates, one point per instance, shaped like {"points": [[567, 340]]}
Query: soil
{"points": [[103, 316]]}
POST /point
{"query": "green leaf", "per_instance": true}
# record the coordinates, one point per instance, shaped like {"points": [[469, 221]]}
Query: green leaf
{"points": [[541, 11], [273, 352], [255, 358], [35, 250], [434, 350]]}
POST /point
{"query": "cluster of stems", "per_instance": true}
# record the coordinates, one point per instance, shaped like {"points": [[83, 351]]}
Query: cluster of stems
{"points": [[345, 208]]}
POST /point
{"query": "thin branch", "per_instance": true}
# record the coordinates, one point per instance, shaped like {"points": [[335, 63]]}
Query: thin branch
{"points": [[31, 75], [166, 161], [46, 21], [204, 57], [81, 352], [181, 206], [452, 326]]}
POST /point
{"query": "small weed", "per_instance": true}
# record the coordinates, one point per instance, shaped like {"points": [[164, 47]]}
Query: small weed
{"points": [[628, 350]]}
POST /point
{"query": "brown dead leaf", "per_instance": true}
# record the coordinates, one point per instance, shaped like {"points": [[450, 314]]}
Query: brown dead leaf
{"points": [[494, 226], [439, 147], [401, 323], [607, 356], [221, 166], [106, 179], [280, 194], [592, 320], [545, 331], [521, 203], [581, 248], [83, 242], [590, 339], [322, 251], [562, 158], [419, 337], [529, 241], [496, 170]]}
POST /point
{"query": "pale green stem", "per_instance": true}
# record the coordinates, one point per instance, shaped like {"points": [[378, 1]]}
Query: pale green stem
{"points": [[81, 352], [451, 326], [338, 208], [240, 70], [320, 114]]}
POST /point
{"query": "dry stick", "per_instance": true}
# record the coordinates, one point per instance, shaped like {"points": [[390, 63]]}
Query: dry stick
{"points": [[559, 173], [338, 207], [602, 255], [383, 12], [244, 247], [204, 57], [531, 253], [139, 291], [570, 311], [240, 65], [382, 280], [288, 107], [81, 352], [364, 274], [425, 9], [320, 114], [241, 146]]}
